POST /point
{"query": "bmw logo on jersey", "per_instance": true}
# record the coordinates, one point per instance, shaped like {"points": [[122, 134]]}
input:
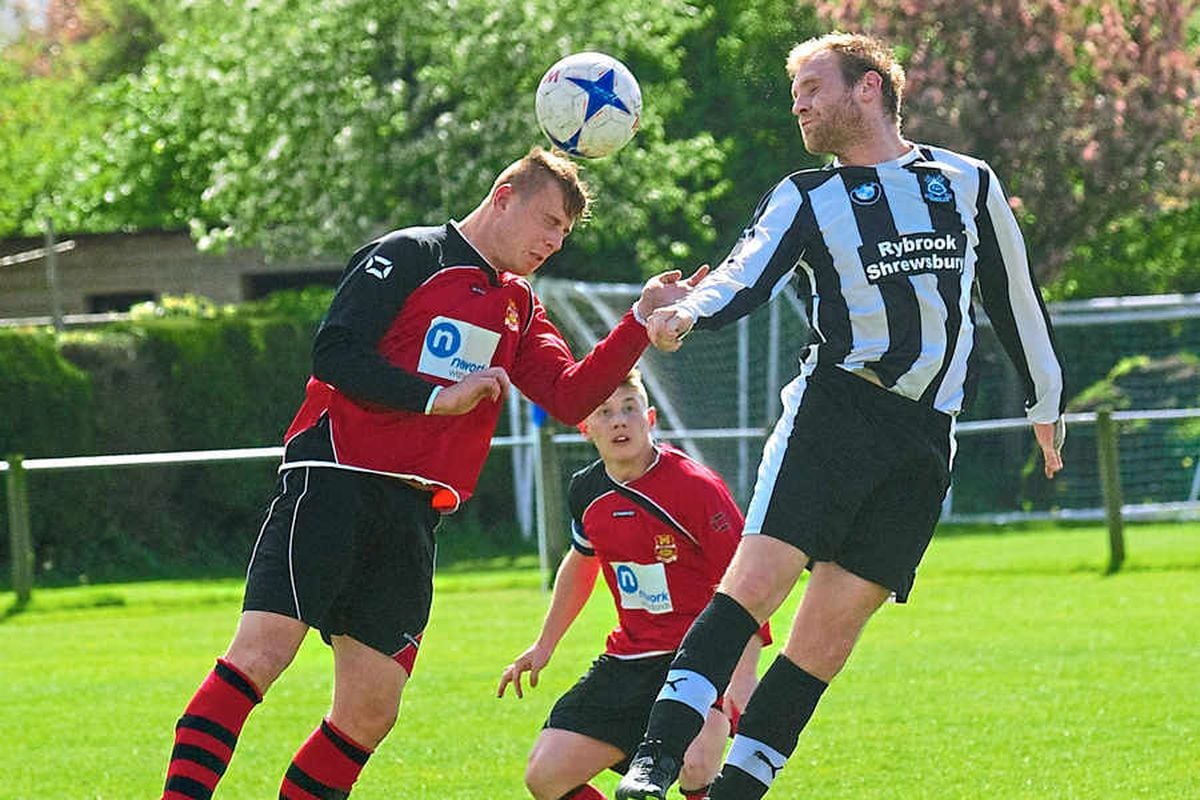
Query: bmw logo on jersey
{"points": [[867, 193]]}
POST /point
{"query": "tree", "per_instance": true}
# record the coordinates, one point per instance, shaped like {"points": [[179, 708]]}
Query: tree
{"points": [[736, 63], [1087, 109], [303, 127], [1137, 254], [47, 74]]}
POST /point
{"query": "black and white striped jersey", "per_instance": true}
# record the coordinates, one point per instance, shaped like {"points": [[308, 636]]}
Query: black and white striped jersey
{"points": [[890, 253]]}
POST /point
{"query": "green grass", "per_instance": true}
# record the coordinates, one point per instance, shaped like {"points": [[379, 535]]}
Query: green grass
{"points": [[1017, 671]]}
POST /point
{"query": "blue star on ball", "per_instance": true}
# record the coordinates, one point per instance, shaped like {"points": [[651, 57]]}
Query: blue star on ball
{"points": [[600, 93]]}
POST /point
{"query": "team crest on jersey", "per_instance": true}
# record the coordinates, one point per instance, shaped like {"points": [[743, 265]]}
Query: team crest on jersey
{"points": [[936, 188], [512, 320], [665, 549], [866, 194]]}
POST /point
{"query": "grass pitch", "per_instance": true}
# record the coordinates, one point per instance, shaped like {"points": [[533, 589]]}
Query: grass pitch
{"points": [[1017, 671]]}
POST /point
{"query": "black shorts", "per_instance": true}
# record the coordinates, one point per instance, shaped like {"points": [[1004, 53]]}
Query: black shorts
{"points": [[856, 475], [348, 553], [612, 702]]}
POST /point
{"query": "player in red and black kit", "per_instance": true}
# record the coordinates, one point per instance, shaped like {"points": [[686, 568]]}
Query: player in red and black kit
{"points": [[662, 528], [410, 366]]}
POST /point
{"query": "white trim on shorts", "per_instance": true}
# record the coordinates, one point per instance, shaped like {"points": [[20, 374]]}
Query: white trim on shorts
{"points": [[772, 456]]}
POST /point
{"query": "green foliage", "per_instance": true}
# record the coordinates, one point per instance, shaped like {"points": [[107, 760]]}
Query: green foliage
{"points": [[741, 97], [47, 79], [1136, 255], [357, 115], [187, 306], [41, 397], [44, 411], [307, 305], [41, 120], [188, 379], [184, 375]]}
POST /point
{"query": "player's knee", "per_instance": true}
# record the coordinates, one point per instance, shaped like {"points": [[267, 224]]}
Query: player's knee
{"points": [[821, 657], [759, 581], [539, 782], [759, 597], [261, 665], [378, 719]]}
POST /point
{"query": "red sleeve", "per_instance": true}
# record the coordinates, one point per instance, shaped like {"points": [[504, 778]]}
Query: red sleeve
{"points": [[546, 372]]}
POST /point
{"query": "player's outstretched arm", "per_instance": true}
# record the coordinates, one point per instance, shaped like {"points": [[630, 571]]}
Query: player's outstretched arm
{"points": [[667, 288], [572, 587], [1050, 437], [487, 384]]}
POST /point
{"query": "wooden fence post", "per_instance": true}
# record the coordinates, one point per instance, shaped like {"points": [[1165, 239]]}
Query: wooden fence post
{"points": [[20, 539], [1108, 451]]}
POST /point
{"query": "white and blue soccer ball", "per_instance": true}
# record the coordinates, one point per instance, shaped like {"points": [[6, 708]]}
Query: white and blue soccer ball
{"points": [[589, 105]]}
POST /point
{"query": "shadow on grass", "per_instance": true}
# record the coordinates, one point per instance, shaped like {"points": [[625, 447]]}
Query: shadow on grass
{"points": [[1042, 570], [15, 608], [100, 600]]}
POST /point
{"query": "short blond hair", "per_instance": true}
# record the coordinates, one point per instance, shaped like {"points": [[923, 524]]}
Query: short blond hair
{"points": [[857, 55], [634, 381], [530, 172]]}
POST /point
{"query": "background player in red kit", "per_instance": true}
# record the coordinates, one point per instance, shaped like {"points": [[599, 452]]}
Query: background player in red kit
{"points": [[410, 366], [662, 528]]}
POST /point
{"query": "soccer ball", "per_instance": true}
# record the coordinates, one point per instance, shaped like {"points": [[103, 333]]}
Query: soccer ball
{"points": [[589, 104]]}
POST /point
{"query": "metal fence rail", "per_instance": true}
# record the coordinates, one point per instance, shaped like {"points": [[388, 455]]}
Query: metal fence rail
{"points": [[15, 468]]}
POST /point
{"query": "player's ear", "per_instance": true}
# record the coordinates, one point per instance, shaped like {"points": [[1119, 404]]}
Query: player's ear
{"points": [[652, 416], [502, 195], [583, 429], [870, 85]]}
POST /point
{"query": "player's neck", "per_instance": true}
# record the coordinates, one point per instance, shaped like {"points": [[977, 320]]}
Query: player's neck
{"points": [[475, 230], [886, 145], [626, 470]]}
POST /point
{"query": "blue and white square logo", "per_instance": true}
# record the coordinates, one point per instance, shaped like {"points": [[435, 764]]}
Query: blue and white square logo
{"points": [[454, 349]]}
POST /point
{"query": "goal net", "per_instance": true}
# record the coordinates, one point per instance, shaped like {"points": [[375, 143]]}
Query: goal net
{"points": [[718, 397]]}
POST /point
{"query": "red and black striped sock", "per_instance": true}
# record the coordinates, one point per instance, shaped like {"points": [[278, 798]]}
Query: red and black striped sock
{"points": [[584, 792], [325, 767], [208, 731]]}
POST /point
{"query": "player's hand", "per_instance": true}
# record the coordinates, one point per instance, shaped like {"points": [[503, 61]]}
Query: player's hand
{"points": [[666, 328], [531, 661], [667, 288], [1050, 437], [459, 398]]}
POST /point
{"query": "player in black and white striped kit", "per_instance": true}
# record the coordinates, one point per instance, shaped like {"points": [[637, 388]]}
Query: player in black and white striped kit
{"points": [[890, 239]]}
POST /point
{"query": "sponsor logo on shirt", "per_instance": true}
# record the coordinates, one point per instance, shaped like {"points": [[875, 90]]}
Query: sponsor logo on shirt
{"points": [[866, 194], [454, 349], [643, 586], [665, 549], [914, 254]]}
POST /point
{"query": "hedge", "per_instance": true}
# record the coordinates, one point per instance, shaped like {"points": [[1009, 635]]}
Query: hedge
{"points": [[183, 375]]}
